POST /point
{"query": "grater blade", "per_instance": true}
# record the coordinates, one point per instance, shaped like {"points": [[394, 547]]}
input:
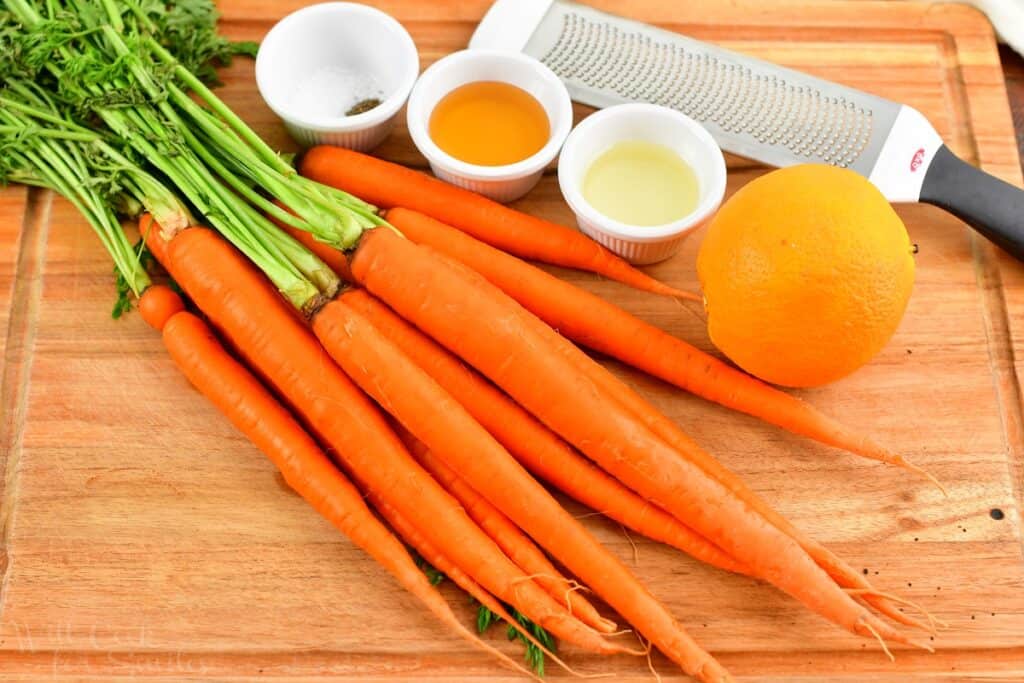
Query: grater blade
{"points": [[752, 108]]}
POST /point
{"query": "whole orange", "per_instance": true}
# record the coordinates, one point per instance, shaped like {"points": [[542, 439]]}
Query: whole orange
{"points": [[806, 273]]}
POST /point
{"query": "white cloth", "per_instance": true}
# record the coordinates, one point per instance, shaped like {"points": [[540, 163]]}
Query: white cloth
{"points": [[1007, 16]]}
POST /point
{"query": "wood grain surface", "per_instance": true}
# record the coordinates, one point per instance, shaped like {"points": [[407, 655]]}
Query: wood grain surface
{"points": [[143, 538]]}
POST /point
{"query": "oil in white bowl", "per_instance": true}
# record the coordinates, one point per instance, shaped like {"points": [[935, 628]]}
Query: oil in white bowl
{"points": [[641, 183]]}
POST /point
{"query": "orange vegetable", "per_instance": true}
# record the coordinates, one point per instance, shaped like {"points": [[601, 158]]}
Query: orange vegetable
{"points": [[157, 304], [434, 417], [251, 408], [517, 545], [482, 325], [545, 454], [386, 184], [257, 321], [593, 322], [669, 432], [408, 532], [535, 446]]}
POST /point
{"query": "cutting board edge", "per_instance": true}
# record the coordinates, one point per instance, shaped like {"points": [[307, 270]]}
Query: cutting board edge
{"points": [[4, 675]]}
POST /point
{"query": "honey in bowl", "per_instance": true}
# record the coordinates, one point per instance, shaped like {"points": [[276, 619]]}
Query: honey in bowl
{"points": [[490, 123]]}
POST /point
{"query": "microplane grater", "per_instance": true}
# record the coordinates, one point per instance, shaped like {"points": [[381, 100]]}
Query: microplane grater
{"points": [[754, 108]]}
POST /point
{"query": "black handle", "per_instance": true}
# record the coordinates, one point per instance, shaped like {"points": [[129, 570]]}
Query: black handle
{"points": [[992, 207]]}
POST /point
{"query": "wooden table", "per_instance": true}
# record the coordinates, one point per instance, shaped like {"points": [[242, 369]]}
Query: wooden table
{"points": [[143, 538]]}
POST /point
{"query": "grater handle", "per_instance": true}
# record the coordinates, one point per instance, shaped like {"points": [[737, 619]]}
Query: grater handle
{"points": [[992, 207]]}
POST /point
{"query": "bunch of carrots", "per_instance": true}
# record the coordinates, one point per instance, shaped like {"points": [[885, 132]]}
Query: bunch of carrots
{"points": [[408, 361]]}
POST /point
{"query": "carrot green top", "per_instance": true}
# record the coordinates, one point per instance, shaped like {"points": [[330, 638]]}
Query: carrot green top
{"points": [[111, 86]]}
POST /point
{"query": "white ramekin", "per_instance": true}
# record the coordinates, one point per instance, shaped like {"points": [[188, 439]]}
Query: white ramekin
{"points": [[501, 183], [650, 123], [337, 33]]}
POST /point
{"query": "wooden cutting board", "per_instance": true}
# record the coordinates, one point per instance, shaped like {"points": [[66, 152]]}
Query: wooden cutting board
{"points": [[143, 538]]}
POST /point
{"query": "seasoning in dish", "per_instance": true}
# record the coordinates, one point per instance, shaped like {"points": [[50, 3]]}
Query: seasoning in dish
{"points": [[489, 123], [363, 106], [334, 91], [641, 183]]}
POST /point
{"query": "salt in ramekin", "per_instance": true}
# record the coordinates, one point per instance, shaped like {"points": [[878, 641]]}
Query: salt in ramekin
{"points": [[501, 183], [359, 43], [649, 123]]}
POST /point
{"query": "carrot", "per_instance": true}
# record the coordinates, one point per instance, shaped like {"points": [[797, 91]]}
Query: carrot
{"points": [[517, 545], [386, 184], [600, 325], [608, 329], [543, 452], [548, 456], [157, 304], [485, 327], [669, 432], [408, 532], [437, 419], [535, 446], [255, 320], [251, 408]]}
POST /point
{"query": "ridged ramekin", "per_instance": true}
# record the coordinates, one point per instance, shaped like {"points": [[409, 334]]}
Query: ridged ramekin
{"points": [[501, 183], [649, 123], [333, 33]]}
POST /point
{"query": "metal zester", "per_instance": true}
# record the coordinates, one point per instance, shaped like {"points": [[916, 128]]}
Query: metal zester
{"points": [[755, 109]]}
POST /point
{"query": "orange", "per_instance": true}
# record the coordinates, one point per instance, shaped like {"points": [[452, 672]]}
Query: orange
{"points": [[806, 273]]}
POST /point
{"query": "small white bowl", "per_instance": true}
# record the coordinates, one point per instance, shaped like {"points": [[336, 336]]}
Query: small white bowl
{"points": [[501, 183], [649, 123], [319, 58]]}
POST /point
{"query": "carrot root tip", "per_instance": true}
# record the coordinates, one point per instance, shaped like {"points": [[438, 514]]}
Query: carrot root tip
{"points": [[894, 635], [643, 652], [632, 543], [650, 662], [881, 641], [688, 296], [906, 464], [933, 622], [921, 645]]}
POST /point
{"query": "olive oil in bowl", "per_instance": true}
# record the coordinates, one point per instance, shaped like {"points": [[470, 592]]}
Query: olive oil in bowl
{"points": [[489, 123], [641, 183], [640, 178]]}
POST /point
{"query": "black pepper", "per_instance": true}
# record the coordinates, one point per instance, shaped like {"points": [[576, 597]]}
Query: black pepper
{"points": [[363, 106]]}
